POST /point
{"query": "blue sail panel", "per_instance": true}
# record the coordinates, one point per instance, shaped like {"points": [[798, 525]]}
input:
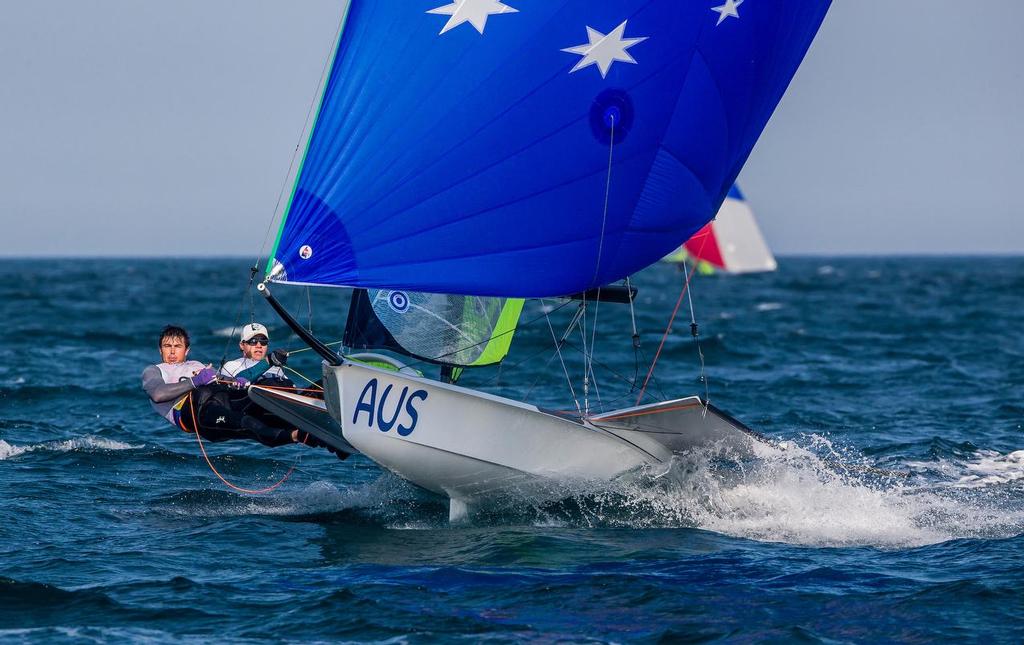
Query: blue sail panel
{"points": [[528, 147]]}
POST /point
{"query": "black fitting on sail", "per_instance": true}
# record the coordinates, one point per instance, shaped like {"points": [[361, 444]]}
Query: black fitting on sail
{"points": [[693, 330], [608, 293], [314, 343]]}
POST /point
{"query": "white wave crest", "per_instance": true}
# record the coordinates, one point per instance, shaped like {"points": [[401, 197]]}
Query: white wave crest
{"points": [[79, 444]]}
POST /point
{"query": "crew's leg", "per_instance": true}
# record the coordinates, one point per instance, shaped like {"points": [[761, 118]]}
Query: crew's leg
{"points": [[220, 423]]}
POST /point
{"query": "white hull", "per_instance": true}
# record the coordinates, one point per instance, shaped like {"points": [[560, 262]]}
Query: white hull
{"points": [[469, 445]]}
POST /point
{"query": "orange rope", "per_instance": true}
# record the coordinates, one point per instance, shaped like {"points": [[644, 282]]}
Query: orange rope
{"points": [[202, 448], [668, 330]]}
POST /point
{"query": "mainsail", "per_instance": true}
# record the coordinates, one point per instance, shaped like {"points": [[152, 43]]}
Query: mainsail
{"points": [[460, 331], [526, 148]]}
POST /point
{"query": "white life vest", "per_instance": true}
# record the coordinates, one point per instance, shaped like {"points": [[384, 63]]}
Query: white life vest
{"points": [[174, 373]]}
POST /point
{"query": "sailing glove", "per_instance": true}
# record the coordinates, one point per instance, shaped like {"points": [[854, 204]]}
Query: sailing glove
{"points": [[278, 358], [204, 376], [241, 383]]}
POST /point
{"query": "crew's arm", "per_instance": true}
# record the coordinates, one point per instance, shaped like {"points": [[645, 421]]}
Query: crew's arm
{"points": [[160, 392], [254, 372]]}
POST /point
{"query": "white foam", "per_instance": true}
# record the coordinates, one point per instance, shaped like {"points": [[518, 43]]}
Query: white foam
{"points": [[83, 444], [796, 497], [802, 495], [7, 450], [991, 468], [769, 306]]}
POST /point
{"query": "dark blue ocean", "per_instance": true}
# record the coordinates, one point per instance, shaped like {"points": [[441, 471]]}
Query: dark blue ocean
{"points": [[896, 514]]}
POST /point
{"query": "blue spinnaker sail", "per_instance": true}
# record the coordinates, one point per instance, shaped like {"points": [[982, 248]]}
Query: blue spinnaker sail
{"points": [[530, 147]]}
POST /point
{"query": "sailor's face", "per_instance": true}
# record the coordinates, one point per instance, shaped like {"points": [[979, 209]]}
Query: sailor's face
{"points": [[255, 348], [173, 350]]}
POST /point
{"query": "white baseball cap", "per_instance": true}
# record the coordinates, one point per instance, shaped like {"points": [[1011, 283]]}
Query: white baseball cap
{"points": [[253, 329]]}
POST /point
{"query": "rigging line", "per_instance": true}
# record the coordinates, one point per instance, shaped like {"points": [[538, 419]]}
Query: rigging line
{"points": [[700, 353], [533, 385], [304, 377], [605, 367], [558, 349], [522, 362], [238, 317], [302, 135], [607, 193], [654, 378], [588, 354], [308, 349], [309, 309], [593, 344], [636, 336], [588, 366], [668, 330]]}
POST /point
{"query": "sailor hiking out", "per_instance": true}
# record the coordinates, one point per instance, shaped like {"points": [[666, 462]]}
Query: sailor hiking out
{"points": [[191, 397]]}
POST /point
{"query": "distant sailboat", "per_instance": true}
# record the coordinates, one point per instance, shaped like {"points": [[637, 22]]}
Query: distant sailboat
{"points": [[731, 243], [471, 154]]}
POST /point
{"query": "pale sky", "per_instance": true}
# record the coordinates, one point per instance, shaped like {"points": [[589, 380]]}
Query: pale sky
{"points": [[140, 127]]}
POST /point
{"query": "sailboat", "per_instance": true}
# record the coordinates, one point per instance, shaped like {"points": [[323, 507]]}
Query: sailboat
{"points": [[468, 155], [731, 243]]}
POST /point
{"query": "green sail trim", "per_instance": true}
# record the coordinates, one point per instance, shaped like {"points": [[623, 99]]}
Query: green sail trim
{"points": [[501, 340], [268, 270]]}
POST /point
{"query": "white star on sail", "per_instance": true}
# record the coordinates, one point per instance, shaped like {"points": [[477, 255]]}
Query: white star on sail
{"points": [[603, 50], [731, 9], [475, 12]]}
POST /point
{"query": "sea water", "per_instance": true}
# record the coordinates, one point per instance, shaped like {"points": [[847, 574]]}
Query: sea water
{"points": [[889, 508]]}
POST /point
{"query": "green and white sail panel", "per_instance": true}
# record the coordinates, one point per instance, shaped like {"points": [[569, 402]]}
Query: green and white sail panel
{"points": [[462, 331]]}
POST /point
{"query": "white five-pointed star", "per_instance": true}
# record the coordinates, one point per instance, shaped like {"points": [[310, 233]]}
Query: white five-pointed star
{"points": [[603, 50], [731, 9], [475, 12]]}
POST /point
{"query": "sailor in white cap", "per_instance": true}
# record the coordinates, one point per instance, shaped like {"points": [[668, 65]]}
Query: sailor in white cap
{"points": [[255, 362]]}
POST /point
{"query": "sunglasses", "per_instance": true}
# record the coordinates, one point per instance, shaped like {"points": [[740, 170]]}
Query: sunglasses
{"points": [[255, 341]]}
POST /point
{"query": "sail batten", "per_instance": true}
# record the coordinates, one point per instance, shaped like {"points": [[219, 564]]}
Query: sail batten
{"points": [[473, 159]]}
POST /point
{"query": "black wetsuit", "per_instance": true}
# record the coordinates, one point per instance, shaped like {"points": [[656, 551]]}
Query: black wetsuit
{"points": [[226, 413], [220, 412]]}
